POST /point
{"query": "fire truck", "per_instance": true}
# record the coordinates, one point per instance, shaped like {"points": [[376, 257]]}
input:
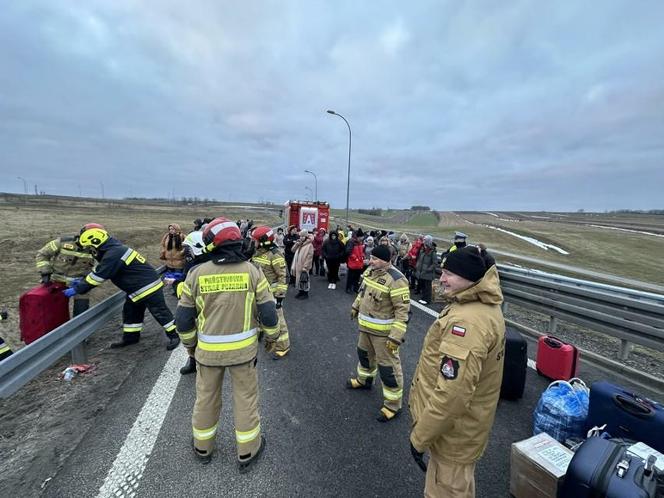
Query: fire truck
{"points": [[307, 215]]}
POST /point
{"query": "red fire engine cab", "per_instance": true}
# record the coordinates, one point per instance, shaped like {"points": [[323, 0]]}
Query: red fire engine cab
{"points": [[307, 215]]}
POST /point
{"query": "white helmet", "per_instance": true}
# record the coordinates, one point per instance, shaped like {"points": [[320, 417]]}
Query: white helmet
{"points": [[195, 241]]}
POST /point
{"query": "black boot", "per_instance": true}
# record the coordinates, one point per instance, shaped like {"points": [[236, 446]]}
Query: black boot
{"points": [[173, 340], [244, 464], [190, 367], [299, 295], [305, 295], [127, 340]]}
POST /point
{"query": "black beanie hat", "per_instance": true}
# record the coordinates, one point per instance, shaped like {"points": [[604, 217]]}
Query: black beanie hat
{"points": [[382, 252], [466, 263]]}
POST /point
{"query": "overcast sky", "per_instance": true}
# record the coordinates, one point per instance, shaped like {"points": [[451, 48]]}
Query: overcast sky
{"points": [[510, 105]]}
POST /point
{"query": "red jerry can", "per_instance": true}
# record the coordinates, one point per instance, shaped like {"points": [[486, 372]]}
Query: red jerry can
{"points": [[556, 359], [41, 310]]}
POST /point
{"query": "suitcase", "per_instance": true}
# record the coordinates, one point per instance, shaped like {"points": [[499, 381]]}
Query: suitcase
{"points": [[516, 365], [556, 359], [626, 415], [602, 468], [41, 310]]}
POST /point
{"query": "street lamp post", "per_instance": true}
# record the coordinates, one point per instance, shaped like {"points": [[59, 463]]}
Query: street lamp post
{"points": [[25, 184], [315, 182], [307, 187], [350, 139]]}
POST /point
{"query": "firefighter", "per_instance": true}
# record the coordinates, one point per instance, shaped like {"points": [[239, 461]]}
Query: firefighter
{"points": [[5, 351], [381, 308], [459, 242], [62, 262], [194, 254], [455, 389], [127, 269], [270, 259], [224, 302]]}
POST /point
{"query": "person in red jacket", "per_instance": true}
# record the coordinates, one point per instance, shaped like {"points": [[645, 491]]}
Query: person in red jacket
{"points": [[412, 260], [354, 261]]}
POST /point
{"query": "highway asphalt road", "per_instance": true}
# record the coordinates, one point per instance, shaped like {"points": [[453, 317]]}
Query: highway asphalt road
{"points": [[322, 440]]}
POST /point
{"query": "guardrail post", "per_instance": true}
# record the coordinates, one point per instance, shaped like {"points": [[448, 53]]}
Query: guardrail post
{"points": [[505, 307], [553, 325], [625, 348], [80, 353]]}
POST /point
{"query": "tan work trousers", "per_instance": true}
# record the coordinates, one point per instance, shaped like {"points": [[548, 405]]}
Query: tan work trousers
{"points": [[449, 480], [376, 358], [283, 342], [205, 419]]}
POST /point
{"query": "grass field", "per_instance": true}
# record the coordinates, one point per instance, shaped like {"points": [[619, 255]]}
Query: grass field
{"points": [[592, 240], [30, 223]]}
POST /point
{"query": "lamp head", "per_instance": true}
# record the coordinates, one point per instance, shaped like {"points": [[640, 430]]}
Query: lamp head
{"points": [[330, 112]]}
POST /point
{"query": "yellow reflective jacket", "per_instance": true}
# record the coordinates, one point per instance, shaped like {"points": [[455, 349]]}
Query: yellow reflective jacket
{"points": [[383, 303], [64, 260], [229, 300], [273, 264], [455, 389]]}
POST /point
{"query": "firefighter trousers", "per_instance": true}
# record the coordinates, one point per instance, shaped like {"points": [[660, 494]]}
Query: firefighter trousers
{"points": [[376, 358], [449, 480], [134, 312], [283, 342], [205, 419]]}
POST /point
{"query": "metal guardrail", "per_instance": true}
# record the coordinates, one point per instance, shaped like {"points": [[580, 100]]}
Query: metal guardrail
{"points": [[632, 316], [28, 362]]}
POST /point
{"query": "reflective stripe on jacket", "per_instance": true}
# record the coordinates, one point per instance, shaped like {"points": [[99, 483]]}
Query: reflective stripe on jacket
{"points": [[383, 303], [230, 302], [273, 264]]}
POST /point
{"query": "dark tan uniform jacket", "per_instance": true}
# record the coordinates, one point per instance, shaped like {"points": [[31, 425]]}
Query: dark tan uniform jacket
{"points": [[64, 260], [228, 299], [273, 264], [456, 385], [383, 303]]}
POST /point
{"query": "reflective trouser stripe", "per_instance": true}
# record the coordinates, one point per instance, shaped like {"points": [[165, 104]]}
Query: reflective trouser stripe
{"points": [[248, 436], [146, 290], [392, 394], [132, 327], [185, 336], [4, 349], [364, 373], [170, 326], [229, 342], [205, 434]]}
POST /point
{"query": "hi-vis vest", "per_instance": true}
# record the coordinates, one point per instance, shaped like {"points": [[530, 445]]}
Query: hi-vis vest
{"points": [[64, 260], [273, 264], [383, 303], [226, 299]]}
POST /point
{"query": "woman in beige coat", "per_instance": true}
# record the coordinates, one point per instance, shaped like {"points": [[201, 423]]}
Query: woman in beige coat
{"points": [[302, 261], [172, 251]]}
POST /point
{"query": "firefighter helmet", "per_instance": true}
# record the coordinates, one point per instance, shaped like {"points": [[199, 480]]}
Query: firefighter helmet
{"points": [[195, 241], [220, 231], [92, 235], [263, 235]]}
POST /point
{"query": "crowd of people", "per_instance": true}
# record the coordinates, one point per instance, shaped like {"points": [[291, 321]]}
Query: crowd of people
{"points": [[232, 278]]}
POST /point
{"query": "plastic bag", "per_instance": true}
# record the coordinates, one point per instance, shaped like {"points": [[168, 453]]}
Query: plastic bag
{"points": [[562, 410]]}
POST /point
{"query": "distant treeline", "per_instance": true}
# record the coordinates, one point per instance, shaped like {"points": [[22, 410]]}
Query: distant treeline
{"points": [[420, 208], [371, 212], [637, 211]]}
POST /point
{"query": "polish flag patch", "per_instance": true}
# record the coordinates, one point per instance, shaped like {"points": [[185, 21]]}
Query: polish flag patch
{"points": [[460, 331]]}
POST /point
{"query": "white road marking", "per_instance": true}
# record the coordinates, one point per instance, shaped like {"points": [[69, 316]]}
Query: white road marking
{"points": [[433, 313], [124, 477]]}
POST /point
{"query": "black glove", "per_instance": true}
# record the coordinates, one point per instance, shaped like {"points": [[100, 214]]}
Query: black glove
{"points": [[280, 301], [4, 315], [418, 457], [45, 278]]}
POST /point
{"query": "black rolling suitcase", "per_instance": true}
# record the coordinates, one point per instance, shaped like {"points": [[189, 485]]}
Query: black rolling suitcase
{"points": [[602, 468], [516, 364]]}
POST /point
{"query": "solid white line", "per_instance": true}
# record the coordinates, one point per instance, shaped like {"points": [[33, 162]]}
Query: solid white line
{"points": [[433, 313], [124, 477]]}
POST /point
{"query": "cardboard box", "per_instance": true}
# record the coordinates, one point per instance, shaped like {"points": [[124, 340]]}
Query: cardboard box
{"points": [[537, 466]]}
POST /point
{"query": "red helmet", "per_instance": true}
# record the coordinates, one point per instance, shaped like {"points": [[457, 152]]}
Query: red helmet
{"points": [[263, 235], [88, 226], [220, 231]]}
